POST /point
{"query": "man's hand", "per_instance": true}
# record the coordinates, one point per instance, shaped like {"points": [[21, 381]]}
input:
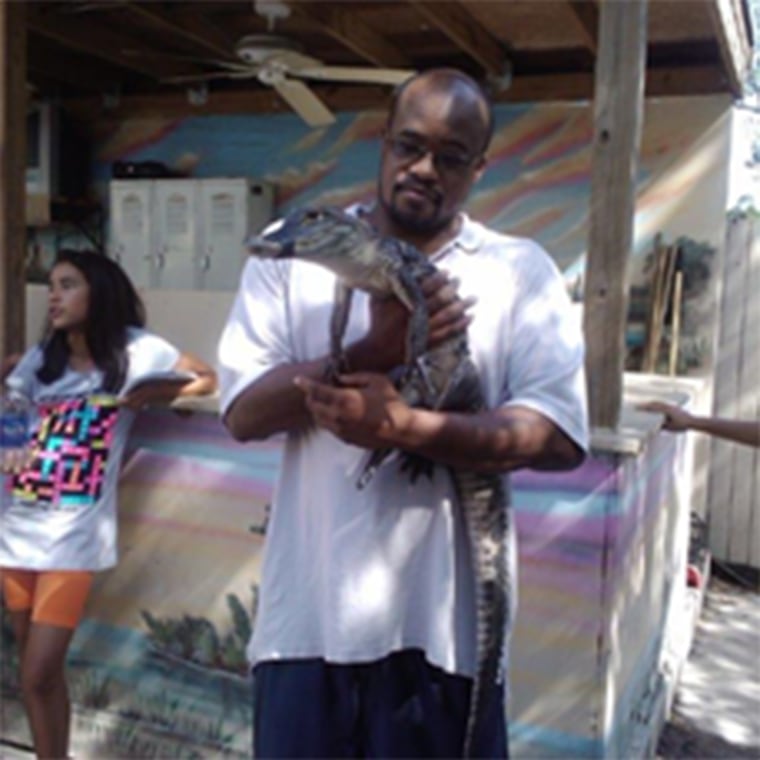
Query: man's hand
{"points": [[366, 410], [384, 346]]}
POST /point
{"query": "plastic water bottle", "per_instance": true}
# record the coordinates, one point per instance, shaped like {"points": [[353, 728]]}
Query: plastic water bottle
{"points": [[14, 418]]}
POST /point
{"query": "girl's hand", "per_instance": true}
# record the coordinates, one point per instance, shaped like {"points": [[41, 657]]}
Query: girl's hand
{"points": [[13, 461], [676, 419]]}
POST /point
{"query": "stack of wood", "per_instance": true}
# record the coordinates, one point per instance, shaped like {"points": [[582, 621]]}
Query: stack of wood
{"points": [[665, 291]]}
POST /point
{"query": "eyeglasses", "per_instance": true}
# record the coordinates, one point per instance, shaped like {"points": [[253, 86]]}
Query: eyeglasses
{"points": [[410, 151]]}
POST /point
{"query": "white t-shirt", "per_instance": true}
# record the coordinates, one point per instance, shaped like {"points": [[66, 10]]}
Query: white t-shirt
{"points": [[60, 512], [352, 575]]}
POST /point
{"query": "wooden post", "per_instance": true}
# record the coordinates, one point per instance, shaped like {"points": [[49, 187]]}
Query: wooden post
{"points": [[618, 106], [12, 175]]}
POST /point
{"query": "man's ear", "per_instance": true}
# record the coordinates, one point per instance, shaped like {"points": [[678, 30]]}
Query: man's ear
{"points": [[480, 167]]}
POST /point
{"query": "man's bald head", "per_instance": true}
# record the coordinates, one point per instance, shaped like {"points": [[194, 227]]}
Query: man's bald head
{"points": [[469, 97]]}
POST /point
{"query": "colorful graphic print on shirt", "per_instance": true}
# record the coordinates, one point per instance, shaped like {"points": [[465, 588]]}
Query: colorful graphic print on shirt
{"points": [[70, 451]]}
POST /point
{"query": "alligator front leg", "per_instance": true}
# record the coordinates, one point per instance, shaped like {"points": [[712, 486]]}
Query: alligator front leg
{"points": [[336, 361]]}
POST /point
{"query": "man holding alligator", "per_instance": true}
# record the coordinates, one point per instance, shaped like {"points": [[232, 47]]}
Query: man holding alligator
{"points": [[365, 643]]}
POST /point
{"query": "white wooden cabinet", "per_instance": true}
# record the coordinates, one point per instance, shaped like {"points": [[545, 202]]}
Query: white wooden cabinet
{"points": [[185, 234]]}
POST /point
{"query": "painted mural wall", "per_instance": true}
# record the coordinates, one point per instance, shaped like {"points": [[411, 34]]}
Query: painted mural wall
{"points": [[537, 183]]}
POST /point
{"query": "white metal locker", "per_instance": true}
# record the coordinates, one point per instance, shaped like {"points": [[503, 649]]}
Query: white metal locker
{"points": [[176, 237], [132, 229]]}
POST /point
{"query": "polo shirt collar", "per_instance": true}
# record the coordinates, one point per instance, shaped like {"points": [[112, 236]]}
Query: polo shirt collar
{"points": [[469, 239]]}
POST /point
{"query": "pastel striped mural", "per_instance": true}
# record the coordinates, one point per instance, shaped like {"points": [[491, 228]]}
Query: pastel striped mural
{"points": [[537, 183]]}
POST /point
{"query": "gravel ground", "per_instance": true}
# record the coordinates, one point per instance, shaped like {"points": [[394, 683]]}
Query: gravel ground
{"points": [[716, 711]]}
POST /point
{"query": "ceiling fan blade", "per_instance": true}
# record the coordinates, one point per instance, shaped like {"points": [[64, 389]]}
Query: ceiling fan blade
{"points": [[303, 101], [365, 74]]}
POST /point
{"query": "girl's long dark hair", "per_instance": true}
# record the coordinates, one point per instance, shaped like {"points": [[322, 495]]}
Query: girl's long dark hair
{"points": [[114, 306]]}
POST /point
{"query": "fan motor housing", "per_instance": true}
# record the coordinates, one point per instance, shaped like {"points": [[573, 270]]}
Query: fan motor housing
{"points": [[257, 48]]}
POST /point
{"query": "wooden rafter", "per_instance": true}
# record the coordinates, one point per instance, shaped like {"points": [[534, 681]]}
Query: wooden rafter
{"points": [[104, 43], [586, 13], [189, 27], [348, 29], [733, 39], [57, 65], [701, 80], [466, 32]]}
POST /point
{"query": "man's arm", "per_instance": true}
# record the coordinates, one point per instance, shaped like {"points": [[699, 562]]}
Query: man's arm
{"points": [[367, 411], [273, 404], [678, 420]]}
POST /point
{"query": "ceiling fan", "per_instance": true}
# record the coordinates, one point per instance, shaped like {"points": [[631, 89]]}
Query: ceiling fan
{"points": [[278, 62]]}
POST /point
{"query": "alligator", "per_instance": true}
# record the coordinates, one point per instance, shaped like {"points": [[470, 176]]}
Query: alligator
{"points": [[442, 377]]}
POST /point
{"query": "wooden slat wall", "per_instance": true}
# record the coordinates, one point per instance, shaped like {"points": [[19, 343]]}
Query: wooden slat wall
{"points": [[734, 485], [12, 172]]}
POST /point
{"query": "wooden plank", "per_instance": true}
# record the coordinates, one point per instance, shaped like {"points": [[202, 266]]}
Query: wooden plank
{"points": [[675, 324], [662, 280], [744, 458], [12, 175], [586, 13], [734, 40], [54, 63], [571, 87], [350, 30], [466, 32], [99, 41], [751, 388], [191, 30], [726, 390], [618, 107]]}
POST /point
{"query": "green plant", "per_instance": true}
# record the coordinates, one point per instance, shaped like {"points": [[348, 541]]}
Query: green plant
{"points": [[92, 689], [197, 640]]}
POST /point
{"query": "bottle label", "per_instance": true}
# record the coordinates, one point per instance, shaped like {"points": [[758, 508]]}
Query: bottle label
{"points": [[14, 429]]}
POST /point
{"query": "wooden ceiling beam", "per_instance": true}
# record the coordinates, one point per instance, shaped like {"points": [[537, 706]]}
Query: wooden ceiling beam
{"points": [[53, 64], [351, 31], [586, 13], [189, 27], [693, 80], [458, 24], [95, 40], [734, 40]]}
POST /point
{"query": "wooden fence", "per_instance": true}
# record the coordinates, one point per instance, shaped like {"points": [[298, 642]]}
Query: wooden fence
{"points": [[734, 483]]}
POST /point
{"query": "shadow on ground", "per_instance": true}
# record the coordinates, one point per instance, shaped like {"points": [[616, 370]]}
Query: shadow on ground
{"points": [[686, 740], [716, 710]]}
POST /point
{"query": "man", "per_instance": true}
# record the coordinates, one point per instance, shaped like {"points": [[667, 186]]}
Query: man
{"points": [[364, 644]]}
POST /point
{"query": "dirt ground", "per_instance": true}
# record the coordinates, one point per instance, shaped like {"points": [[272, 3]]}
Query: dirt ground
{"points": [[716, 711]]}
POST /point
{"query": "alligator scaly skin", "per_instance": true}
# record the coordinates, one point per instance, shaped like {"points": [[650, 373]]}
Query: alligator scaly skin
{"points": [[443, 377]]}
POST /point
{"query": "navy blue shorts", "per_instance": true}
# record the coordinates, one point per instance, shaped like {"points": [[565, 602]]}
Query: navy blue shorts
{"points": [[397, 707]]}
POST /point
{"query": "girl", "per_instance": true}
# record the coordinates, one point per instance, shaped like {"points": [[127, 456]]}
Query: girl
{"points": [[59, 501]]}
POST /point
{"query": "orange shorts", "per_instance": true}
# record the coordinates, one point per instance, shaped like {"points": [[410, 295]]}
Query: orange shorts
{"points": [[55, 597]]}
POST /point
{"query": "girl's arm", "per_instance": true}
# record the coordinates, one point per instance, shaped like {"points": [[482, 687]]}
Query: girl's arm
{"points": [[8, 364], [678, 420]]}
